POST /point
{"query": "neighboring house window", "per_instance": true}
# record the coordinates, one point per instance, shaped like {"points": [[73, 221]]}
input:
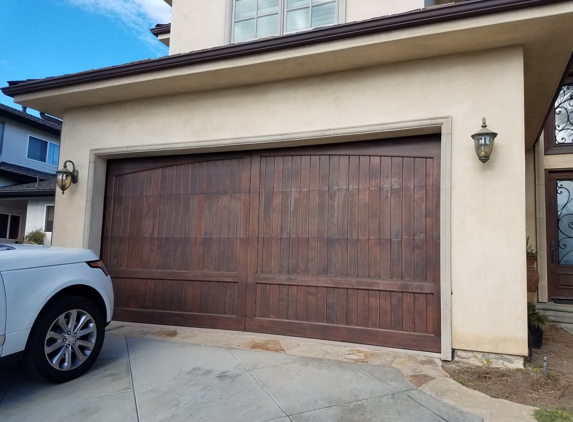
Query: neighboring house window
{"points": [[559, 127], [44, 151], [254, 19], [9, 226], [49, 222]]}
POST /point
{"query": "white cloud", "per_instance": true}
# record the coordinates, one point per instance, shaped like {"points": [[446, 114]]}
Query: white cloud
{"points": [[138, 15]]}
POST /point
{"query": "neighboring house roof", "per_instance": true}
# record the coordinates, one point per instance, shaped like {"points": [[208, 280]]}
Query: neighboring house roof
{"points": [[161, 28], [23, 174], [41, 188], [420, 17], [28, 119]]}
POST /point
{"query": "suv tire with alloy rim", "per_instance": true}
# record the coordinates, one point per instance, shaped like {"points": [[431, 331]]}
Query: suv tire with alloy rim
{"points": [[65, 340]]}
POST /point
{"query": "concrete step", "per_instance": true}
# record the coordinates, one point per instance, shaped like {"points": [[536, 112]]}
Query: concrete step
{"points": [[550, 306], [568, 327], [556, 316]]}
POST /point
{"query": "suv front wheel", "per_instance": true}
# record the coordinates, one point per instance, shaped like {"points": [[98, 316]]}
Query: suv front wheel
{"points": [[65, 340]]}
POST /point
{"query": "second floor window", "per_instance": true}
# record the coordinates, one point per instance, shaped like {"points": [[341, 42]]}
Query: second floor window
{"points": [[254, 19], [44, 151]]}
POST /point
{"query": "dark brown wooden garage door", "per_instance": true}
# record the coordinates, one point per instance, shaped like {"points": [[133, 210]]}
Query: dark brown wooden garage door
{"points": [[337, 242]]}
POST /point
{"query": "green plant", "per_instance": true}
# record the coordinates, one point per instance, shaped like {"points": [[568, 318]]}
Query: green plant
{"points": [[559, 414], [529, 252], [536, 318], [37, 237], [462, 382]]}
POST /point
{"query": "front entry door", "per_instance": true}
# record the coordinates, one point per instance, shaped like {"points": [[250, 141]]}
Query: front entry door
{"points": [[559, 199]]}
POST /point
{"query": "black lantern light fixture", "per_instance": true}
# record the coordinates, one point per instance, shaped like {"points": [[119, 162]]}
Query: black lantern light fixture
{"points": [[484, 139], [65, 177]]}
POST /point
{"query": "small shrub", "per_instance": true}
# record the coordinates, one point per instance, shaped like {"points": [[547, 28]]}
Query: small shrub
{"points": [[536, 318], [37, 237], [559, 414]]}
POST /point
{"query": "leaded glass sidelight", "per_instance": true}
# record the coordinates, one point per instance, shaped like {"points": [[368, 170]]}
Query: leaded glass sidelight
{"points": [[565, 221], [564, 116]]}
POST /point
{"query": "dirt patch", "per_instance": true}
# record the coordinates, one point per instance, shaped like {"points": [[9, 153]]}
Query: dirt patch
{"points": [[166, 333], [527, 386], [268, 345], [358, 355], [419, 380]]}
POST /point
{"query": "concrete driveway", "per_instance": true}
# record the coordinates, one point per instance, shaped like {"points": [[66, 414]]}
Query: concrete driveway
{"points": [[143, 379]]}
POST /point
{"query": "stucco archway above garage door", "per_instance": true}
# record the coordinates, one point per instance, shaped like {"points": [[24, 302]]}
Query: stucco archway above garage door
{"points": [[336, 242]]}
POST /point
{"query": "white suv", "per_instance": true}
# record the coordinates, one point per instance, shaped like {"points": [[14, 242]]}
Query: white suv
{"points": [[54, 306]]}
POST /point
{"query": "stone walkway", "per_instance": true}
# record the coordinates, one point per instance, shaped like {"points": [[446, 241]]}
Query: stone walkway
{"points": [[152, 373]]}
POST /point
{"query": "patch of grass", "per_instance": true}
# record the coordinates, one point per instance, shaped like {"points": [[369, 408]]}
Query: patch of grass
{"points": [[559, 414], [462, 382], [553, 378]]}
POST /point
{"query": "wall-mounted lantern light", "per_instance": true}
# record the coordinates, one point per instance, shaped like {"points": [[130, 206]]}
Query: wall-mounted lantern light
{"points": [[484, 139], [65, 177]]}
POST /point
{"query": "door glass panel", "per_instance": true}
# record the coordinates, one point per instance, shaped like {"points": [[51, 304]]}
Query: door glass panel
{"points": [[564, 116], [565, 221]]}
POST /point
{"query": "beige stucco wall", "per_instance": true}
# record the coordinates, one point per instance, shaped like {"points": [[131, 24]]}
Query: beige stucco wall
{"points": [[488, 226], [357, 10], [200, 24]]}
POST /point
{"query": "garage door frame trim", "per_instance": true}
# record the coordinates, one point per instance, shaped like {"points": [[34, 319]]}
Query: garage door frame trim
{"points": [[93, 222]]}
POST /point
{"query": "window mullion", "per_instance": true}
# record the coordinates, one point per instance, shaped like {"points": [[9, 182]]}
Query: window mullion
{"points": [[256, 19], [282, 16]]}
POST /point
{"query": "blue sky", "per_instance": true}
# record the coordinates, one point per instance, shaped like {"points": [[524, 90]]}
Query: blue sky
{"points": [[41, 38]]}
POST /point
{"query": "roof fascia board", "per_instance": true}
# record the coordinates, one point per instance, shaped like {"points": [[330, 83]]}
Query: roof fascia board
{"points": [[30, 193], [377, 25], [161, 30]]}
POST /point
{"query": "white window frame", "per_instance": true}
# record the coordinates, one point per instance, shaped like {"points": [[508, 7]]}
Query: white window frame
{"points": [[46, 214], [10, 215], [230, 19], [47, 151]]}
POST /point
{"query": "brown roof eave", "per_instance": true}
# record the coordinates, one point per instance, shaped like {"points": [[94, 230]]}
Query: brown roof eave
{"points": [[29, 193], [161, 29], [415, 18]]}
